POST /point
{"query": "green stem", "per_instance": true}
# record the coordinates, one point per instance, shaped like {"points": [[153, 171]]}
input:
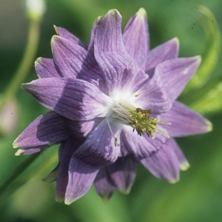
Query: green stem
{"points": [[26, 63], [17, 172]]}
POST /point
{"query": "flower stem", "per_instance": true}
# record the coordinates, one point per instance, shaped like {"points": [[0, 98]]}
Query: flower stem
{"points": [[17, 172], [26, 63]]}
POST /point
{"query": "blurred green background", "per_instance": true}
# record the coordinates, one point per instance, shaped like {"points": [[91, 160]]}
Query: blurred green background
{"points": [[198, 195]]}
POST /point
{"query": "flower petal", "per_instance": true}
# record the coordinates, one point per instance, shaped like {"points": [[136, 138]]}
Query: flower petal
{"points": [[136, 37], [163, 163], [167, 50], [175, 73], [102, 145], [45, 68], [151, 96], [49, 128], [184, 164], [65, 153], [67, 35], [68, 56], [181, 121], [109, 50], [123, 173], [80, 178], [137, 145], [103, 185], [73, 99]]}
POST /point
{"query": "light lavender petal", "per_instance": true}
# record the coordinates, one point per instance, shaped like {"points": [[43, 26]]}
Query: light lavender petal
{"points": [[65, 153], [182, 121], [175, 73], [151, 96], [123, 173], [103, 185], [80, 178], [163, 163], [73, 99], [45, 68], [68, 57], [165, 51], [49, 128], [136, 37], [102, 145]]}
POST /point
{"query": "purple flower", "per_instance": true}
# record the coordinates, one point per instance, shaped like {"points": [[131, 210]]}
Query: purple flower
{"points": [[113, 105]]}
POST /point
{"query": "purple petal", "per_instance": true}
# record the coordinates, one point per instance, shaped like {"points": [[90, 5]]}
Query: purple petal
{"points": [[167, 50], [137, 145], [45, 68], [103, 184], [181, 121], [184, 164], [102, 145], [122, 173], [163, 163], [65, 153], [80, 178], [67, 35], [136, 37], [151, 96], [68, 56], [109, 50], [49, 128], [175, 73], [29, 151], [73, 99]]}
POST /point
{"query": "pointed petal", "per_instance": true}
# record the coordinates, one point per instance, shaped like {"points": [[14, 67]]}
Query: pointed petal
{"points": [[102, 145], [184, 164], [163, 163], [67, 35], [136, 37], [80, 178], [151, 96], [29, 151], [73, 99], [167, 50], [181, 121], [175, 73], [137, 145], [103, 185], [65, 153], [45, 68], [68, 57], [123, 173], [49, 128], [109, 50]]}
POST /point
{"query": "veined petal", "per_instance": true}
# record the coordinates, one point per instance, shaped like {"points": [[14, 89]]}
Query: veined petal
{"points": [[45, 68], [123, 173], [184, 164], [49, 128], [109, 50], [137, 145], [103, 185], [66, 151], [73, 99], [102, 145], [182, 121], [136, 37], [175, 73], [68, 56], [80, 178], [151, 96], [165, 51], [163, 163], [67, 35]]}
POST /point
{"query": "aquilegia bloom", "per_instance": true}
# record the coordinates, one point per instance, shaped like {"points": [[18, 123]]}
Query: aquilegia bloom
{"points": [[112, 106]]}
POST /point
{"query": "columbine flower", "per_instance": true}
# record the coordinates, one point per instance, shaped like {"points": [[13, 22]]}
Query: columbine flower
{"points": [[113, 105]]}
